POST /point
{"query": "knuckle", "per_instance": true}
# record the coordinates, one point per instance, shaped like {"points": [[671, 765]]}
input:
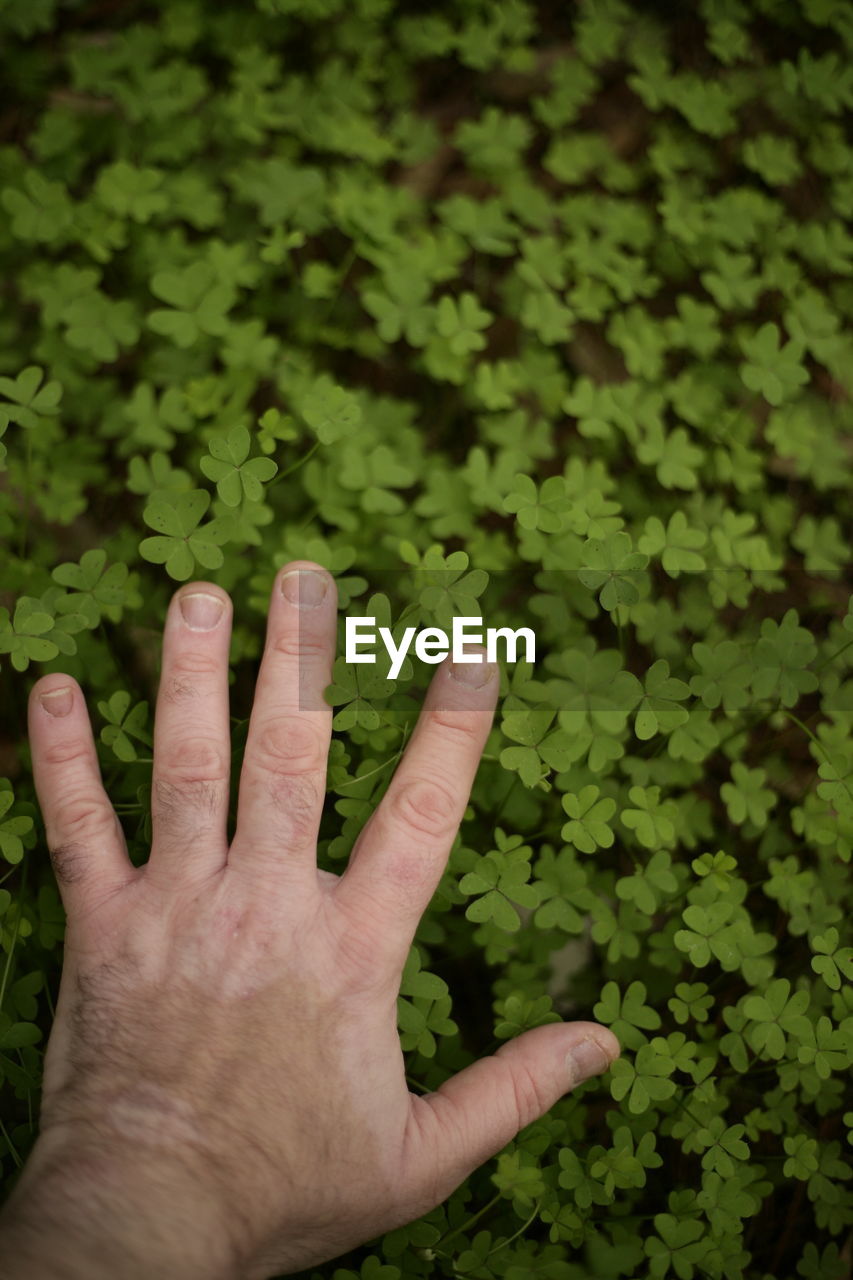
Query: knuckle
{"points": [[86, 821], [356, 955], [528, 1097], [194, 761], [296, 800], [291, 754], [412, 875], [63, 752], [68, 861], [426, 806], [185, 668], [172, 802], [455, 725], [288, 745], [297, 645], [85, 817]]}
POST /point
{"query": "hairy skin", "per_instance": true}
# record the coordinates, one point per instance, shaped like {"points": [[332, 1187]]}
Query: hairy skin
{"points": [[268, 1077], [224, 1091]]}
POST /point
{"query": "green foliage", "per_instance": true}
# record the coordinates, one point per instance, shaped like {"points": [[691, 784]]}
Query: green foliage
{"points": [[507, 311]]}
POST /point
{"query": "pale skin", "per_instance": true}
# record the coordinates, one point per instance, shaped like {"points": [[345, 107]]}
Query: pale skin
{"points": [[224, 1092]]}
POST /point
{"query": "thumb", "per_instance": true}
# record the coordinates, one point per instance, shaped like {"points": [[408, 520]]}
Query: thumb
{"points": [[479, 1110]]}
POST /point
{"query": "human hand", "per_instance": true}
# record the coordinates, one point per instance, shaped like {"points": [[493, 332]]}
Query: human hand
{"points": [[224, 1089]]}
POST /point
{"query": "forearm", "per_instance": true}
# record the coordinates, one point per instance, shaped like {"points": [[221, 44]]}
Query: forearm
{"points": [[111, 1215]]}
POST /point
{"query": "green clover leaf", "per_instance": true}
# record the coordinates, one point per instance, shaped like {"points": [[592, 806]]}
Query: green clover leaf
{"points": [[611, 565], [198, 304], [500, 879], [588, 828], [627, 1014], [708, 933], [649, 819], [774, 1014], [460, 323], [538, 507], [644, 1080], [236, 478], [773, 370], [832, 961], [124, 724], [32, 399], [181, 544], [649, 885], [11, 830], [331, 412], [23, 636], [745, 798], [658, 712], [677, 545]]}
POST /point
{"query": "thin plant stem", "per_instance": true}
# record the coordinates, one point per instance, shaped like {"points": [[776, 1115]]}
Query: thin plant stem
{"points": [[465, 1225], [14, 941], [18, 1161], [504, 1243]]}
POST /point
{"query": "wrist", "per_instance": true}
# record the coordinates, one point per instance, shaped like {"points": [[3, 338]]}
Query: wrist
{"points": [[95, 1211]]}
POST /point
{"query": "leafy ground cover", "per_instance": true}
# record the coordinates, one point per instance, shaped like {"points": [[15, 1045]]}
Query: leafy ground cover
{"points": [[523, 308]]}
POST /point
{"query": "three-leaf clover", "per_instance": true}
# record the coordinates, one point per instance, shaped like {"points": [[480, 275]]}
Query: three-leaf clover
{"points": [[680, 1245], [722, 1145], [644, 1080], [745, 798], [773, 370], [775, 1013], [23, 636], [234, 476], [538, 507], [180, 544], [500, 879], [124, 724], [627, 1014], [831, 960], [677, 544], [356, 689], [461, 322], [31, 398], [330, 410], [649, 884], [11, 830], [612, 567], [423, 1007], [198, 303], [540, 748], [649, 819], [589, 817], [658, 711], [708, 933]]}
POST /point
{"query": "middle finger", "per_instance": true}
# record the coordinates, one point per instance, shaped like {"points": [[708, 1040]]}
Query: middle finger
{"points": [[283, 779]]}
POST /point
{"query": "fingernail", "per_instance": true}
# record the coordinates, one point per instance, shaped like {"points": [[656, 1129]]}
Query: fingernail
{"points": [[585, 1060], [472, 674], [201, 610], [58, 702], [304, 587]]}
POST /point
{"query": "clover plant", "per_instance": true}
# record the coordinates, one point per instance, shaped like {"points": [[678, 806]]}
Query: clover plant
{"points": [[528, 310]]}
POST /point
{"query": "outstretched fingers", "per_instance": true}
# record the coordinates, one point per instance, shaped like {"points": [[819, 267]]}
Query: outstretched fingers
{"points": [[84, 836], [192, 742], [283, 779], [475, 1113], [402, 852]]}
